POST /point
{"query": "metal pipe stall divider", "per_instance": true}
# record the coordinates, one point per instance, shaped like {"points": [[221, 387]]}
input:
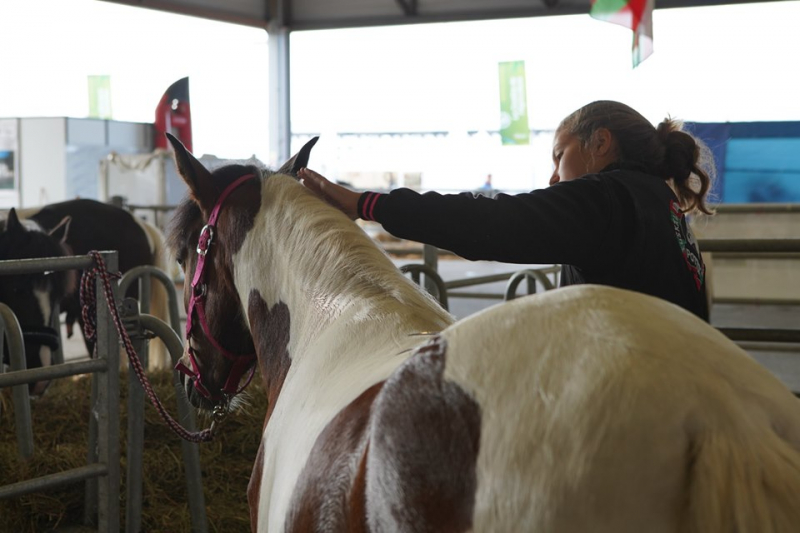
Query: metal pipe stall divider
{"points": [[102, 470], [137, 324], [493, 278], [10, 328]]}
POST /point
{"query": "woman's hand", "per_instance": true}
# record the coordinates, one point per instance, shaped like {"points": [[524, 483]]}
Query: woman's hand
{"points": [[340, 197]]}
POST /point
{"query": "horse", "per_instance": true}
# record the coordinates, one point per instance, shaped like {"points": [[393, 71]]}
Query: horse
{"points": [[586, 408], [96, 225], [33, 297]]}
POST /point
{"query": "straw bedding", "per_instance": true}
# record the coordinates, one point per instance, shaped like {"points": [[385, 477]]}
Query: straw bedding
{"points": [[60, 427]]}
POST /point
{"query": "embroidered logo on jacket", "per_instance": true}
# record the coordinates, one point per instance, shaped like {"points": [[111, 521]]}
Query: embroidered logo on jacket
{"points": [[687, 243]]}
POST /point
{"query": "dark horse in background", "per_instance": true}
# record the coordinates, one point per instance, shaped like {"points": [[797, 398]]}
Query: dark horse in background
{"points": [[33, 297], [95, 226], [88, 225]]}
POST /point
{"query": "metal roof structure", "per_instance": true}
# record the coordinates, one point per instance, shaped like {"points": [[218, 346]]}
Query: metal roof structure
{"points": [[328, 14], [281, 17]]}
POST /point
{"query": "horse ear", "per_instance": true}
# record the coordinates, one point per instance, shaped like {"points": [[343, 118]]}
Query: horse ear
{"points": [[59, 233], [298, 160], [13, 225], [196, 176]]}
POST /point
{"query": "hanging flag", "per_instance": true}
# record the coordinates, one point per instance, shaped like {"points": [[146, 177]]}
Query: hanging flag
{"points": [[100, 97], [634, 14], [514, 127], [174, 115]]}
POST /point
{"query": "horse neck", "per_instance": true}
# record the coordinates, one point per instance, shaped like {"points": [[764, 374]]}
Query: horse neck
{"points": [[311, 257]]}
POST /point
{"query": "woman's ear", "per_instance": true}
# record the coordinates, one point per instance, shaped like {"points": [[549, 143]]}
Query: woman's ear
{"points": [[602, 143]]}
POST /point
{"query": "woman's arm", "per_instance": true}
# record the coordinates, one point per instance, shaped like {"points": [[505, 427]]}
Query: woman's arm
{"points": [[575, 223]]}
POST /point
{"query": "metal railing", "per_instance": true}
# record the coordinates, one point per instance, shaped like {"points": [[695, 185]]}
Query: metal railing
{"points": [[103, 460], [139, 325], [750, 248]]}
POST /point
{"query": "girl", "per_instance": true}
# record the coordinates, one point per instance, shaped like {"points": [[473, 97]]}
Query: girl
{"points": [[614, 214]]}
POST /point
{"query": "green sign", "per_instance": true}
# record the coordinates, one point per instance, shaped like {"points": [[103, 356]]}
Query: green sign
{"points": [[514, 127], [99, 96]]}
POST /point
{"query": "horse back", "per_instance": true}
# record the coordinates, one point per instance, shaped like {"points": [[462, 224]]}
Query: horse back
{"points": [[588, 408], [100, 226], [595, 398]]}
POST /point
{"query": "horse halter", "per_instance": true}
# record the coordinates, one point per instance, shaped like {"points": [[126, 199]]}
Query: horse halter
{"points": [[197, 303]]}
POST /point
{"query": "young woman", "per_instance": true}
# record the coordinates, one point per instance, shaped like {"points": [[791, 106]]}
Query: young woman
{"points": [[615, 213]]}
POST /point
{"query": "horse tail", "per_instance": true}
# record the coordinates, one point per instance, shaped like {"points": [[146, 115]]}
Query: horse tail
{"points": [[159, 357], [747, 485]]}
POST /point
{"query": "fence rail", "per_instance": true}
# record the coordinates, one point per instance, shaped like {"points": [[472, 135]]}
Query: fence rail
{"points": [[102, 472]]}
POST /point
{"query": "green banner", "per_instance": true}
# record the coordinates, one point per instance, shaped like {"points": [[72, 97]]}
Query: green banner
{"points": [[99, 96], [514, 127]]}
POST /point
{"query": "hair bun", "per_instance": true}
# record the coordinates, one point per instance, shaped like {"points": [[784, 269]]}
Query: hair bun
{"points": [[680, 150]]}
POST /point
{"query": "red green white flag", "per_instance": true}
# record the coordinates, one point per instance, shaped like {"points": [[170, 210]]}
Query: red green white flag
{"points": [[634, 14]]}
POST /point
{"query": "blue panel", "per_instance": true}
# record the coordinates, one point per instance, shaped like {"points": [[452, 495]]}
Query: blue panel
{"points": [[762, 170], [764, 129], [776, 154], [750, 187], [756, 161]]}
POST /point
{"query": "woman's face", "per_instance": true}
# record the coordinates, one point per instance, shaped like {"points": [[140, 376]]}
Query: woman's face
{"points": [[569, 157], [573, 160]]}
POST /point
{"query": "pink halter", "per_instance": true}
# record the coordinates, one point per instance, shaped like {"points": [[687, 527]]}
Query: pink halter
{"points": [[197, 303]]}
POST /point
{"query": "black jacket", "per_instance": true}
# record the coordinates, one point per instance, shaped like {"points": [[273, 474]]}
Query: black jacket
{"points": [[620, 227]]}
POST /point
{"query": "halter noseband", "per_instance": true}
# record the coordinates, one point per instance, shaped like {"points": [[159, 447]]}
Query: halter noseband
{"points": [[197, 303]]}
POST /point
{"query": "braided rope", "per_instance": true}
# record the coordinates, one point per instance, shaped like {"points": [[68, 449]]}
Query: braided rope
{"points": [[90, 328]]}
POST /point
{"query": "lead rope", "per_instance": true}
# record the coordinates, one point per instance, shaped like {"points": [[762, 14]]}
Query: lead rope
{"points": [[87, 295]]}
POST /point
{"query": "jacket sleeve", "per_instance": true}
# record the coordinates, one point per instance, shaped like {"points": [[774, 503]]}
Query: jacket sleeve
{"points": [[576, 222]]}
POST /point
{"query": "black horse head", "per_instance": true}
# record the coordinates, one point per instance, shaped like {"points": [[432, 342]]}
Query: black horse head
{"points": [[33, 297]]}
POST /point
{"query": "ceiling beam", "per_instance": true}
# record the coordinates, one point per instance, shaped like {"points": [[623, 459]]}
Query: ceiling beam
{"points": [[410, 12], [182, 8], [409, 7]]}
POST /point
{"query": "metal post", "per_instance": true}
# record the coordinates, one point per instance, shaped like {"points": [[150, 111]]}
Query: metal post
{"points": [[90, 491], [170, 336], [107, 396], [280, 129], [191, 451], [430, 258], [9, 328], [135, 454], [55, 323]]}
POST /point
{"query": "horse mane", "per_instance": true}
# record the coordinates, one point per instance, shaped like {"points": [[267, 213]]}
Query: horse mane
{"points": [[339, 257]]}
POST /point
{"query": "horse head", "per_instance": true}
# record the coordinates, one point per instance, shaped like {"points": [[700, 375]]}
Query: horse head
{"points": [[33, 297], [206, 231]]}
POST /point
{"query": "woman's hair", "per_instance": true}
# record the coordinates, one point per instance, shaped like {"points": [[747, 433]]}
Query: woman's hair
{"points": [[665, 151]]}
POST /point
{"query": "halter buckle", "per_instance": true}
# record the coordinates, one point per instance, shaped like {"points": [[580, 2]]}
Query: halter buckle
{"points": [[203, 245], [199, 291], [220, 412]]}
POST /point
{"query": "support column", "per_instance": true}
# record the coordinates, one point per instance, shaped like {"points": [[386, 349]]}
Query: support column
{"points": [[280, 129]]}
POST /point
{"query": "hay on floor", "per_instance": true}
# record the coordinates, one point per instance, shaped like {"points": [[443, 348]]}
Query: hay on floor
{"points": [[60, 427]]}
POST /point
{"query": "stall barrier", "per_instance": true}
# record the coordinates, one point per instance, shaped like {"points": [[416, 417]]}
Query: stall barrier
{"points": [[102, 472], [140, 327]]}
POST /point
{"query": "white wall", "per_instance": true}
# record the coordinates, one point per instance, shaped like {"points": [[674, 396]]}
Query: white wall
{"points": [[42, 160]]}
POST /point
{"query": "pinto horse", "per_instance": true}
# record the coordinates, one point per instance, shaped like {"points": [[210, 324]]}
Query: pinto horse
{"points": [[587, 408], [33, 297], [99, 226]]}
